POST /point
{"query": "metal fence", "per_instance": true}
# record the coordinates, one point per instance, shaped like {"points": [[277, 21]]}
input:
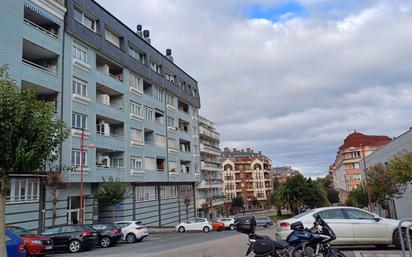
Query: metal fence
{"points": [[408, 237]]}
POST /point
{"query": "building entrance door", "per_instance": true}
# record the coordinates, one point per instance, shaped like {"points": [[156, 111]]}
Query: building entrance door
{"points": [[73, 210]]}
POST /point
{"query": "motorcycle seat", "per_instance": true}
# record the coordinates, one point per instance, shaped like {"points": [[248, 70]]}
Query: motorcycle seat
{"points": [[276, 244]]}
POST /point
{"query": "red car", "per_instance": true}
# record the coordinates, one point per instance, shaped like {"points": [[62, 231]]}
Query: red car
{"points": [[218, 226], [35, 245]]}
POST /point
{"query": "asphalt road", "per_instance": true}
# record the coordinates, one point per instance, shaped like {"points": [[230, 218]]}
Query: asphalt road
{"points": [[192, 244]]}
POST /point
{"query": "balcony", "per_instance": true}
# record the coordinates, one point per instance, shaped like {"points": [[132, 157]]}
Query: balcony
{"points": [[208, 166], [110, 133], [183, 126], [109, 97], [184, 146], [40, 58], [207, 122], [42, 93], [36, 19], [208, 133], [109, 68], [210, 149], [109, 159], [205, 184]]}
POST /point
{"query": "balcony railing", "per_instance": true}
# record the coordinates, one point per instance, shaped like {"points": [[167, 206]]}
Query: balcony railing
{"points": [[101, 70], [101, 133], [37, 66], [210, 149], [211, 134], [110, 104], [209, 166], [206, 122], [41, 29]]}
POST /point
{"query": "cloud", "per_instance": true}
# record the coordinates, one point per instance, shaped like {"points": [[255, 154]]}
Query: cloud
{"points": [[292, 88]]}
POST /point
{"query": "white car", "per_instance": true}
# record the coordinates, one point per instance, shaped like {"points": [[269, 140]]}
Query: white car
{"points": [[132, 231], [195, 224], [353, 226], [229, 222]]}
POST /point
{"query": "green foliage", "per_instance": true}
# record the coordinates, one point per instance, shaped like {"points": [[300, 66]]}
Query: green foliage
{"points": [[30, 135], [276, 201], [333, 195], [237, 202], [112, 191], [400, 168], [358, 197], [254, 201], [298, 190]]}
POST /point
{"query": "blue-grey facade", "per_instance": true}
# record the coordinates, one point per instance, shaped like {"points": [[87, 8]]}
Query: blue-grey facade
{"points": [[138, 111]]}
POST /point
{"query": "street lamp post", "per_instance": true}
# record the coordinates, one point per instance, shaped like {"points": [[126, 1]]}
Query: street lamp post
{"points": [[366, 179], [82, 159]]}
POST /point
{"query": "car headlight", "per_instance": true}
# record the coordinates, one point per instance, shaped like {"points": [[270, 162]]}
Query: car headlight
{"points": [[36, 242]]}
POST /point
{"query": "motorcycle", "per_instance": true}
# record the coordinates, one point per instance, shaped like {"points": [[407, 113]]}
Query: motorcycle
{"points": [[302, 242]]}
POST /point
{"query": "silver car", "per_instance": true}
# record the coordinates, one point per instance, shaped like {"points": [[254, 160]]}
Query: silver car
{"points": [[262, 221]]}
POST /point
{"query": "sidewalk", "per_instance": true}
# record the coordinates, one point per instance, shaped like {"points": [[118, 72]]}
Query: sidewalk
{"points": [[379, 254], [155, 230]]}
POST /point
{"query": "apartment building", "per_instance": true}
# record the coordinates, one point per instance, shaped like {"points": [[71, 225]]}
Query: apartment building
{"points": [[281, 174], [400, 207], [247, 174], [137, 110], [209, 195], [345, 169]]}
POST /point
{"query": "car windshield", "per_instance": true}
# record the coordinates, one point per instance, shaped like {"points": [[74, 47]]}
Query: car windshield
{"points": [[300, 215], [21, 231]]}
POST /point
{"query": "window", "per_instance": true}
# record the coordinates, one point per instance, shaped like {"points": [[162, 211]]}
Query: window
{"points": [[79, 87], [148, 113], [355, 165], [149, 163], [51, 231], [172, 166], [156, 67], [186, 191], [84, 19], [79, 52], [160, 140], [172, 143], [159, 117], [183, 85], [135, 82], [146, 193], [76, 158], [158, 94], [355, 154], [358, 215], [117, 162], [79, 121], [136, 108], [171, 122], [183, 106], [168, 192], [136, 163], [138, 55], [23, 190], [136, 135], [170, 100], [332, 214], [112, 37]]}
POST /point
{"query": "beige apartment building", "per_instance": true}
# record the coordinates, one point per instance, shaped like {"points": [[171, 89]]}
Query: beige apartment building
{"points": [[346, 168], [247, 174]]}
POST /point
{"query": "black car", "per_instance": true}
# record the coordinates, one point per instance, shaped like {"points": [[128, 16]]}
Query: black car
{"points": [[109, 234], [72, 237]]}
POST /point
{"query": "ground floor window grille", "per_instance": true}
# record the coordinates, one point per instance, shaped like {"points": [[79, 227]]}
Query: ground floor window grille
{"points": [[146, 193]]}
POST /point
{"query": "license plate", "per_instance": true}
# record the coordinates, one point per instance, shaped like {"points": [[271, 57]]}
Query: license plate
{"points": [[49, 247], [94, 234]]}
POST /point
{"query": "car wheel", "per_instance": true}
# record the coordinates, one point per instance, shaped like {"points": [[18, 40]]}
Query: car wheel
{"points": [[75, 246], [232, 227], [181, 229], [105, 242], [130, 238], [206, 229], [397, 239], [267, 225]]}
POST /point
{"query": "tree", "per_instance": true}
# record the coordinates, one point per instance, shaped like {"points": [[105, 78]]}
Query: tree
{"points": [[187, 202], [382, 185], [55, 181], [237, 203], [112, 192], [358, 197], [276, 202], [333, 195], [255, 202], [400, 167], [30, 137]]}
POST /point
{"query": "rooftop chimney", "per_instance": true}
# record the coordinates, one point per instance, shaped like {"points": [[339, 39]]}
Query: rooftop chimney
{"points": [[234, 149], [146, 35], [139, 30], [169, 54], [260, 152], [252, 151], [248, 150]]}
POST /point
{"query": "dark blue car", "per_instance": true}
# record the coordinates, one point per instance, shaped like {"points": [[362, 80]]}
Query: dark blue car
{"points": [[14, 244]]}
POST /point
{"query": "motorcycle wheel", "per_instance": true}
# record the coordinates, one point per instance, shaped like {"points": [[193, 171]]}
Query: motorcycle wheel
{"points": [[334, 253]]}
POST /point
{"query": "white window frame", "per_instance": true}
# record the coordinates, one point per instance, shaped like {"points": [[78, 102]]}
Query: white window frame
{"points": [[136, 108], [76, 153], [136, 163], [82, 19], [83, 121], [158, 94], [23, 195], [146, 193], [112, 37], [79, 51], [137, 132], [150, 160], [79, 84], [168, 192], [149, 113], [136, 82], [117, 160]]}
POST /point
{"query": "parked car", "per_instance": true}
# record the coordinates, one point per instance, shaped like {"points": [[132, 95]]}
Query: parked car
{"points": [[35, 245], [133, 231], [262, 221], [229, 223], [195, 224], [108, 234], [353, 226], [217, 225], [74, 238], [14, 244]]}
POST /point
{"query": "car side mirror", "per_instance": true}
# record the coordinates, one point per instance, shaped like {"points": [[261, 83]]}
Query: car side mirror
{"points": [[377, 219]]}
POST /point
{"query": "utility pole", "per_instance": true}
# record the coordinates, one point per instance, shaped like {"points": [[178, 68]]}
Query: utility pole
{"points": [[366, 178], [81, 175]]}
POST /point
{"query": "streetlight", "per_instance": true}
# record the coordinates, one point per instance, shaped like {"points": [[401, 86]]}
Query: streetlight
{"points": [[81, 171]]}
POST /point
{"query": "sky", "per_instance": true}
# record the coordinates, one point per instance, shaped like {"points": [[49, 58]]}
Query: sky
{"points": [[289, 78]]}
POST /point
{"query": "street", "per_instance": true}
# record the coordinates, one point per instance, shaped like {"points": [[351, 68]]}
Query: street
{"points": [[198, 244]]}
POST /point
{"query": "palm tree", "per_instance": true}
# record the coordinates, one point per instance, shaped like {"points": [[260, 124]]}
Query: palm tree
{"points": [[112, 192], [276, 201], [55, 181]]}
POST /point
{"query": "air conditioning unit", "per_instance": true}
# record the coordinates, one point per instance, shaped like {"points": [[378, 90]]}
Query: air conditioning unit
{"points": [[103, 160]]}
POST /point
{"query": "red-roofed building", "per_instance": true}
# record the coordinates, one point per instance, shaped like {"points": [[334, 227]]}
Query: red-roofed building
{"points": [[346, 172]]}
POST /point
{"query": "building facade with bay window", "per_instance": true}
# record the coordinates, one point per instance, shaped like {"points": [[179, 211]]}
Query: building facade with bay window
{"points": [[136, 107]]}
